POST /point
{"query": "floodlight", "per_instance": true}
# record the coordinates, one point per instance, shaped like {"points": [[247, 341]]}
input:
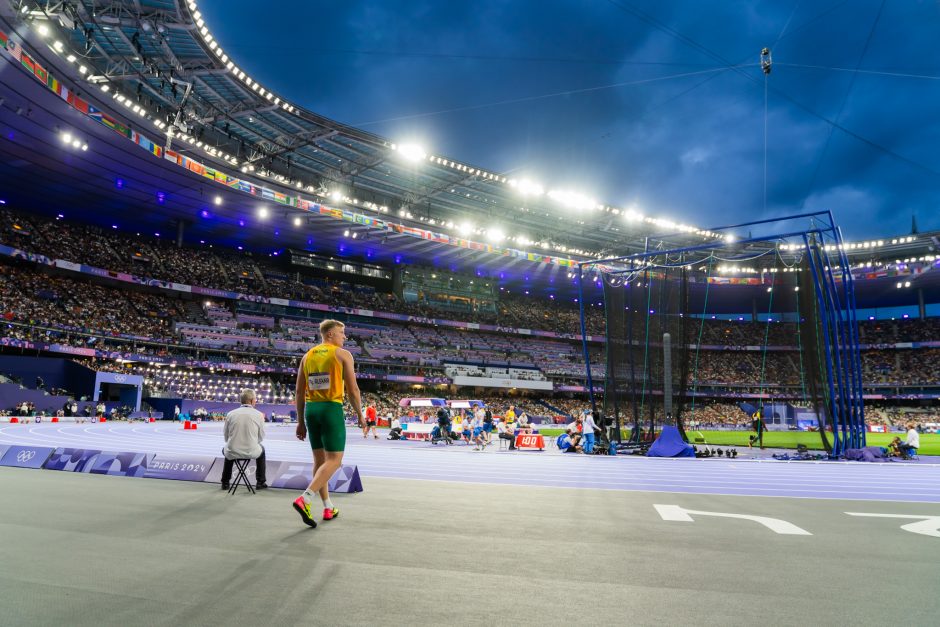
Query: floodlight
{"points": [[412, 152], [529, 188], [574, 200]]}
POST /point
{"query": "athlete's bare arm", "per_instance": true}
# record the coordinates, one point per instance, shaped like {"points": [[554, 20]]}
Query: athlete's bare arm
{"points": [[300, 394], [352, 387]]}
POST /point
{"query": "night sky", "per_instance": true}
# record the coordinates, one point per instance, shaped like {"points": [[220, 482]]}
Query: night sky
{"points": [[654, 105]]}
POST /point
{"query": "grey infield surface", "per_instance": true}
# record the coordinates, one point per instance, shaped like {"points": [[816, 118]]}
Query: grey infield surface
{"points": [[83, 549]]}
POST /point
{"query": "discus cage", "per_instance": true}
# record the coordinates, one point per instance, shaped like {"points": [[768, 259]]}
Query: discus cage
{"points": [[669, 344]]}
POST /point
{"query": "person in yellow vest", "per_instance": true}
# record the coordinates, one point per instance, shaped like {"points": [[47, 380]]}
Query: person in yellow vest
{"points": [[326, 374]]}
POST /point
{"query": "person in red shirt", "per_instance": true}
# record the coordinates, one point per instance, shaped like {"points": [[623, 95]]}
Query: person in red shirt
{"points": [[370, 423]]}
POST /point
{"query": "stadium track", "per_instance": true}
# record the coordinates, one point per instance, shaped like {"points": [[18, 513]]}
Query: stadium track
{"points": [[918, 483]]}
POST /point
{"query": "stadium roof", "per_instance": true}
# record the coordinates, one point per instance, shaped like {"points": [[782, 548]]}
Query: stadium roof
{"points": [[160, 54], [179, 89]]}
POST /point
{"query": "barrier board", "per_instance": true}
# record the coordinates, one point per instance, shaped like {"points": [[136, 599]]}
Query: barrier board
{"points": [[26, 456], [117, 464], [179, 467]]}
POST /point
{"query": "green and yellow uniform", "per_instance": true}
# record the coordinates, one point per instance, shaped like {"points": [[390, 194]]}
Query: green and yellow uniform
{"points": [[325, 389]]}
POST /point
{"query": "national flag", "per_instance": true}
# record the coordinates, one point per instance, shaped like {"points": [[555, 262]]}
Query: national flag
{"points": [[114, 125], [247, 187], [27, 62], [15, 50], [195, 166], [78, 103], [41, 73]]}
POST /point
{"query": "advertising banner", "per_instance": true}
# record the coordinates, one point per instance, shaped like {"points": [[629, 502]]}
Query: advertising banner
{"points": [[179, 467], [117, 464], [291, 475], [71, 459], [297, 476], [26, 456]]}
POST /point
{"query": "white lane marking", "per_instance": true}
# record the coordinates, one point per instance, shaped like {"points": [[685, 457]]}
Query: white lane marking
{"points": [[925, 525], [676, 513]]}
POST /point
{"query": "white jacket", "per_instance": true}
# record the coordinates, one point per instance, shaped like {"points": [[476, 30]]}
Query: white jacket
{"points": [[244, 432]]}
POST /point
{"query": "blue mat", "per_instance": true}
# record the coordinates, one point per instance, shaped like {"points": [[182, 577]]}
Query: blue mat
{"points": [[670, 444]]}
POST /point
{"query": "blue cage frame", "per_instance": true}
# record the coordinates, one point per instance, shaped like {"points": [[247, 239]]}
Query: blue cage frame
{"points": [[834, 289]]}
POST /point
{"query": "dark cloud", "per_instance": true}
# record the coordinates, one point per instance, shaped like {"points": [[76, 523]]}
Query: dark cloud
{"points": [[618, 121]]}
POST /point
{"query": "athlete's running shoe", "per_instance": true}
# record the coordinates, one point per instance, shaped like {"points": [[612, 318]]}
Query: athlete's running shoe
{"points": [[330, 514], [303, 508]]}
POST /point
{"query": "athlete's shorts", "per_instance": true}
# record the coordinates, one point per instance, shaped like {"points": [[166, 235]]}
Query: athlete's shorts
{"points": [[370, 423], [477, 431], [326, 426], [488, 427]]}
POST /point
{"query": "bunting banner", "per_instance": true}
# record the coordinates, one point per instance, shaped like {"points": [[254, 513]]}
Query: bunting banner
{"points": [[15, 50]]}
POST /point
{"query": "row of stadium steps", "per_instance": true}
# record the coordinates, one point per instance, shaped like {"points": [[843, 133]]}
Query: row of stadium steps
{"points": [[195, 313], [552, 408]]}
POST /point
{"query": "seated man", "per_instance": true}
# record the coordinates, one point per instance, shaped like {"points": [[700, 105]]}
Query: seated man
{"points": [[568, 442], [395, 432], [911, 442], [504, 432], [466, 431], [244, 432]]}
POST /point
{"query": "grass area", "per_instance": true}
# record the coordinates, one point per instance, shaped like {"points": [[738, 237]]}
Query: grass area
{"points": [[929, 442]]}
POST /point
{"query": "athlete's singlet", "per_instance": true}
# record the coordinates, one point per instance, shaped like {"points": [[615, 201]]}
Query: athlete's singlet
{"points": [[324, 375]]}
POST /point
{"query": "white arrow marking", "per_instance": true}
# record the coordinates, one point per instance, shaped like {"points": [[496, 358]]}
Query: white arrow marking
{"points": [[925, 525], [676, 513]]}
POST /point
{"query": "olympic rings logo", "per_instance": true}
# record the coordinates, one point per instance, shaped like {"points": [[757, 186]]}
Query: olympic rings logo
{"points": [[24, 456]]}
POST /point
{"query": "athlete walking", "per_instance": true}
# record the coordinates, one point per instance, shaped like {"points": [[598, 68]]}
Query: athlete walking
{"points": [[325, 375]]}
